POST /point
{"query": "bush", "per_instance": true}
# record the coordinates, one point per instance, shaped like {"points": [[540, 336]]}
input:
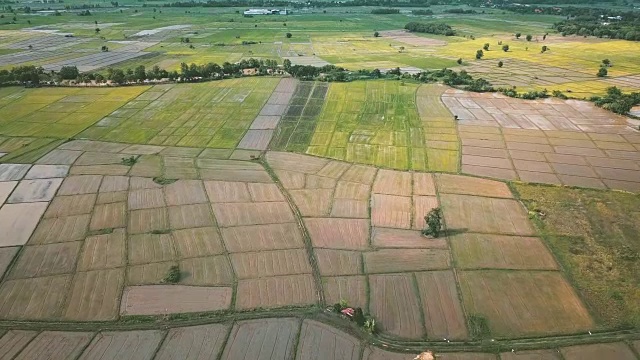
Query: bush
{"points": [[289, 35], [434, 223], [500, 63], [173, 275], [479, 54], [385, 11], [505, 48], [437, 29], [486, 47], [459, 61], [602, 72], [529, 37], [376, 34]]}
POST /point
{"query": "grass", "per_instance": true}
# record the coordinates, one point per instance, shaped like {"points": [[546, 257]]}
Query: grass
{"points": [[594, 236]]}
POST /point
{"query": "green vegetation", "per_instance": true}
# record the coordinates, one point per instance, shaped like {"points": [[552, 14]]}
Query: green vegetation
{"points": [[163, 181], [594, 236], [479, 327], [434, 223], [173, 275], [615, 100], [431, 28]]}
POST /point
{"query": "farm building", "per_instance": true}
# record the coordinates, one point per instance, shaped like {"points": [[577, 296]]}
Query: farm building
{"points": [[251, 12]]}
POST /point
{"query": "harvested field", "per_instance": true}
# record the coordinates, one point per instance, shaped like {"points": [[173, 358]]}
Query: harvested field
{"points": [[270, 263], [70, 205], [262, 237], [274, 292], [6, 257], [484, 251], [46, 260], [549, 307], [349, 234], [394, 303], [255, 339], [95, 295], [392, 183], [169, 299], [455, 184], [19, 221], [550, 354], [13, 341], [185, 192], [197, 242], [37, 298], [147, 220], [190, 216], [391, 211], [68, 228], [443, 315], [109, 216], [352, 289], [616, 350], [124, 345], [320, 341], [224, 192], [194, 342], [148, 274], [56, 345], [103, 252], [214, 270], [236, 214], [396, 238], [312, 202], [485, 215], [400, 260], [146, 248], [338, 262]]}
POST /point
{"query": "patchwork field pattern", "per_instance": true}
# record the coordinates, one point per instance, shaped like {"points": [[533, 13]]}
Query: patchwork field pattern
{"points": [[213, 114], [547, 141]]}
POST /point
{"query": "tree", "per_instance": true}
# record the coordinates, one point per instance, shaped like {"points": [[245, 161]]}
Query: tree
{"points": [[117, 76], [602, 72], [68, 72], [286, 64], [544, 48], [434, 223], [140, 73], [544, 37], [606, 62], [529, 37], [479, 54], [459, 61], [486, 47], [500, 63], [376, 34], [401, 48], [505, 48], [518, 35], [97, 30], [289, 35]]}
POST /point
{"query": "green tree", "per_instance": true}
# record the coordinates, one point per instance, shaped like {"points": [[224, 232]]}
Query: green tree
{"points": [[140, 73], [486, 47], [518, 35], [606, 62], [68, 72], [479, 54], [602, 72], [505, 48], [289, 35], [286, 64], [544, 48], [459, 61], [97, 30], [529, 37], [500, 63], [376, 34]]}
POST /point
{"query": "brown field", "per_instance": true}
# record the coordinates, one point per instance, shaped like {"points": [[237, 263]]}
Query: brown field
{"points": [[533, 303], [18, 222], [6, 257], [349, 234], [213, 270], [56, 345], [351, 190], [320, 341], [360, 174], [195, 342], [531, 355], [236, 214], [46, 260], [270, 263], [484, 251], [352, 289], [392, 183], [338, 262], [455, 184], [146, 199], [443, 315], [302, 163], [114, 184], [265, 192], [346, 208], [423, 184], [400, 260], [197, 242], [147, 220], [618, 351], [70, 205], [190, 216], [276, 292], [254, 339], [226, 191], [397, 238], [262, 237], [391, 211], [291, 180], [147, 248], [394, 304], [13, 341], [37, 298], [124, 345], [81, 184], [421, 207], [486, 215], [103, 251], [374, 353], [148, 274], [95, 295], [169, 299], [109, 216], [312, 202]]}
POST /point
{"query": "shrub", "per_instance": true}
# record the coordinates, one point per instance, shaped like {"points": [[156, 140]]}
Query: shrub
{"points": [[505, 48], [602, 72], [130, 161], [173, 275], [518, 35], [434, 223], [500, 63], [289, 35], [486, 47], [459, 61], [529, 37], [479, 327], [544, 48], [479, 54], [376, 34]]}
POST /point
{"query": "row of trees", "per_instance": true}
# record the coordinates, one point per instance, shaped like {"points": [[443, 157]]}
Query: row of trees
{"points": [[615, 100], [431, 28], [385, 11]]}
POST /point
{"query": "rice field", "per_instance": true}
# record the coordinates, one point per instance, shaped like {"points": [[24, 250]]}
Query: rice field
{"points": [[214, 114]]}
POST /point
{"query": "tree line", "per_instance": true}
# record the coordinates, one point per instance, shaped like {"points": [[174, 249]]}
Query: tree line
{"points": [[430, 28]]}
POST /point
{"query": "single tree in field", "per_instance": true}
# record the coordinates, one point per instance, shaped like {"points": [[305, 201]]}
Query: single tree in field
{"points": [[434, 223], [486, 47], [459, 61], [529, 37], [479, 54], [606, 62], [505, 48], [518, 35], [602, 72], [289, 35], [544, 48], [401, 48], [544, 37], [376, 34], [500, 63], [97, 30]]}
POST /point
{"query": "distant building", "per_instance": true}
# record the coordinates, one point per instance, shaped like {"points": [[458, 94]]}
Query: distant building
{"points": [[252, 12]]}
